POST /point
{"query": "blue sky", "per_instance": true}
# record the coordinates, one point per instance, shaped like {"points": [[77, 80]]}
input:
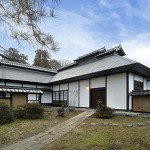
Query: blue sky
{"points": [[82, 26]]}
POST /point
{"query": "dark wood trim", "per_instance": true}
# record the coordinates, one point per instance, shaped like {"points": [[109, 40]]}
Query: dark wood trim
{"points": [[10, 99], [68, 94], [106, 88], [132, 102], [78, 93], [98, 89], [89, 93], [27, 98], [59, 93], [24, 82], [127, 91], [52, 94]]}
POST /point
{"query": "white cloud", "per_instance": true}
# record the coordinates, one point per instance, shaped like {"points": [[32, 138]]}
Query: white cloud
{"points": [[138, 48], [74, 35]]}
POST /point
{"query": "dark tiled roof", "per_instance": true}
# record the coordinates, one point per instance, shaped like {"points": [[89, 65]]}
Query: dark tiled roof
{"points": [[26, 66], [140, 93]]}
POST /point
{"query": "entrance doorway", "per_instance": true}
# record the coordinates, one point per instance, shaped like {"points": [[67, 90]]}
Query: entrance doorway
{"points": [[96, 95]]}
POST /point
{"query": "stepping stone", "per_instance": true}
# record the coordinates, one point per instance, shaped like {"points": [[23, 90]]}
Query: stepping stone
{"points": [[140, 124], [128, 125], [93, 124], [105, 124], [113, 124], [147, 121], [81, 124]]}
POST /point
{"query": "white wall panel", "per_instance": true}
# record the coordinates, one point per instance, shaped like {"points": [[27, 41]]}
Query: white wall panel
{"points": [[64, 86], [43, 86], [14, 73], [148, 85], [13, 84], [116, 91], [84, 93], [46, 97], [145, 84], [73, 94], [2, 83], [31, 96], [97, 82], [131, 87], [29, 85], [55, 87], [138, 78]]}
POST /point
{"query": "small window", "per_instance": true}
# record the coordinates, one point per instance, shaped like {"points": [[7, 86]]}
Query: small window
{"points": [[34, 98], [4, 95], [138, 85], [60, 96]]}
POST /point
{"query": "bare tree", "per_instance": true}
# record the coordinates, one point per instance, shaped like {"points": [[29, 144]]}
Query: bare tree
{"points": [[64, 62], [23, 17]]}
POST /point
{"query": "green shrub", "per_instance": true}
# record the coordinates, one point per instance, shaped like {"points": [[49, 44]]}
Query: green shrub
{"points": [[34, 111], [6, 115], [30, 111], [21, 111], [102, 111], [61, 111]]}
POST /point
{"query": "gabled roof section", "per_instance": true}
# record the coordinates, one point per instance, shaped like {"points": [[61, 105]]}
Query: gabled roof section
{"points": [[93, 56], [26, 66], [107, 65], [94, 53], [118, 50]]}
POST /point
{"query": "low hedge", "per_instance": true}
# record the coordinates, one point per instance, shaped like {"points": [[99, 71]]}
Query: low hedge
{"points": [[30, 111], [6, 114]]}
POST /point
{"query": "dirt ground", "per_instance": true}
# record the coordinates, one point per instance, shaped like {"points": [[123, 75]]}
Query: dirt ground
{"points": [[21, 129]]}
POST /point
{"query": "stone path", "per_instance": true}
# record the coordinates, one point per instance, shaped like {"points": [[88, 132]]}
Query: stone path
{"points": [[39, 141]]}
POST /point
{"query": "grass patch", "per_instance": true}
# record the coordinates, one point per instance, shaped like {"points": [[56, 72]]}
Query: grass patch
{"points": [[106, 137], [21, 129]]}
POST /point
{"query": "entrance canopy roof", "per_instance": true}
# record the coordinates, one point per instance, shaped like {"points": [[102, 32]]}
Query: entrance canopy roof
{"points": [[20, 90]]}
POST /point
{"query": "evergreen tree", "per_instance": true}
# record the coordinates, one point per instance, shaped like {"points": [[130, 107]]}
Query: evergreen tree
{"points": [[42, 58], [14, 55]]}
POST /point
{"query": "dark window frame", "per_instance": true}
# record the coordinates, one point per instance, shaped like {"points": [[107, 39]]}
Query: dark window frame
{"points": [[3, 95], [60, 96], [138, 85]]}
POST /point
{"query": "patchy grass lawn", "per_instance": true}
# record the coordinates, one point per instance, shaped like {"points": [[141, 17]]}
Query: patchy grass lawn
{"points": [[21, 129], [107, 134]]}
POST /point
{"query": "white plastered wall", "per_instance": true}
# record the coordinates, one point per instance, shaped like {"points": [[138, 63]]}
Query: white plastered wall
{"points": [[148, 85], [84, 93], [131, 87], [74, 94], [64, 86], [46, 97], [117, 91], [29, 85], [55, 87], [145, 84], [13, 84], [97, 82]]}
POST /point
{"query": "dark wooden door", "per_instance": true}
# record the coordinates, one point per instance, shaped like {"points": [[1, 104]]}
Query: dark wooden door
{"points": [[96, 95]]}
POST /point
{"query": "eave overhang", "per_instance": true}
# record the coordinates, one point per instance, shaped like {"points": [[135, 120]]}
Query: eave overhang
{"points": [[135, 68]]}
